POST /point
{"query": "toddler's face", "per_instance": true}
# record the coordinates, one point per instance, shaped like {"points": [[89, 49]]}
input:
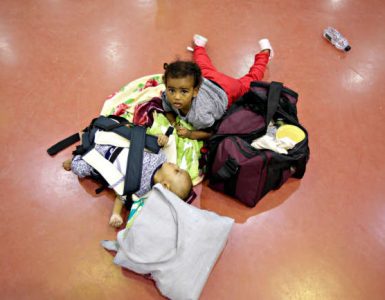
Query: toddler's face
{"points": [[172, 172], [179, 179], [180, 92]]}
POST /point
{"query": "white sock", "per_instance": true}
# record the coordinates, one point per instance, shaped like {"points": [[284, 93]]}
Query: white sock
{"points": [[264, 44], [199, 40]]}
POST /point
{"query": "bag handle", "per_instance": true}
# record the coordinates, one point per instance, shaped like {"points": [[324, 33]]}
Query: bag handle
{"points": [[228, 170], [228, 175], [273, 100]]}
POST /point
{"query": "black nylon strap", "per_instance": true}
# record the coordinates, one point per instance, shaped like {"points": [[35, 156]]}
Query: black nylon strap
{"points": [[88, 138], [151, 142], [108, 124], [273, 100], [231, 186], [134, 161], [227, 174], [169, 131], [115, 154], [63, 144], [119, 119], [228, 170], [114, 124]]}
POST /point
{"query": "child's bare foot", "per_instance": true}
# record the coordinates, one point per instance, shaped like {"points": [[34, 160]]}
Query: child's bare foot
{"points": [[67, 165], [116, 220]]}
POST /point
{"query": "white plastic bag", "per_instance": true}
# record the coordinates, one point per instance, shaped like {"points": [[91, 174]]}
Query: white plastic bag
{"points": [[178, 244]]}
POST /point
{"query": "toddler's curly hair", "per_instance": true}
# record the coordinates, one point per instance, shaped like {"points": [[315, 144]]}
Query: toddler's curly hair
{"points": [[181, 69]]}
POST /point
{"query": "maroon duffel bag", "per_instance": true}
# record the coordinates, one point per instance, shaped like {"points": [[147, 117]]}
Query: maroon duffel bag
{"points": [[242, 171]]}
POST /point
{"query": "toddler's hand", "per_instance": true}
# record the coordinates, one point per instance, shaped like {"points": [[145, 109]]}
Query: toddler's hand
{"points": [[162, 140], [183, 132]]}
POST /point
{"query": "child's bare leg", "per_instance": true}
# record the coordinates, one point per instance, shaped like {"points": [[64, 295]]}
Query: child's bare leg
{"points": [[67, 164], [116, 219]]}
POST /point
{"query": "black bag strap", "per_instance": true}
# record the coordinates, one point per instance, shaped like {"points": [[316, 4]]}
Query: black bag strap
{"points": [[169, 131], [273, 100], [106, 123], [228, 170], [115, 154], [228, 175], [110, 123], [88, 137], [134, 163], [72, 139]]}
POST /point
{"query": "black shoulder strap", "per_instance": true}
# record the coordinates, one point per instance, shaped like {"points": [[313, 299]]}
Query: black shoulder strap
{"points": [[134, 163], [110, 123], [228, 175], [86, 139], [273, 100], [63, 144], [107, 124]]}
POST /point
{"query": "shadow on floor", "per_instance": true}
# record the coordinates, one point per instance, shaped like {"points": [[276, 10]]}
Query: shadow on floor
{"points": [[239, 212]]}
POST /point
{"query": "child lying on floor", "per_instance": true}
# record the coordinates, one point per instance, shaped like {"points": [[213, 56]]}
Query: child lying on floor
{"points": [[155, 170], [199, 94]]}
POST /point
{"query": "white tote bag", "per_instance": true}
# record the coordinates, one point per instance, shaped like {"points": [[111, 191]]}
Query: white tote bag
{"points": [[178, 244]]}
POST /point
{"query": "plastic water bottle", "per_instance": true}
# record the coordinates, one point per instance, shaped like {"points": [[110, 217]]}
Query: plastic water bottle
{"points": [[337, 39]]}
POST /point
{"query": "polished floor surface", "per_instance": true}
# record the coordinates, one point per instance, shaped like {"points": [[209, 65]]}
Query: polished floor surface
{"points": [[322, 237]]}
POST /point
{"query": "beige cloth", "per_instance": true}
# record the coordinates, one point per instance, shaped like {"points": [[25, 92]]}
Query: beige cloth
{"points": [[277, 145]]}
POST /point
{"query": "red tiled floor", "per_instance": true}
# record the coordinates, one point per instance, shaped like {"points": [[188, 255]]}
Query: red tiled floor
{"points": [[319, 238]]}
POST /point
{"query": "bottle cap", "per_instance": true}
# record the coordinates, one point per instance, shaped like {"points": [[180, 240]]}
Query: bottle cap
{"points": [[347, 48]]}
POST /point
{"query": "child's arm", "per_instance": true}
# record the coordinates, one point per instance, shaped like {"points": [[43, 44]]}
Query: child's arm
{"points": [[170, 117], [193, 134], [116, 219]]}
